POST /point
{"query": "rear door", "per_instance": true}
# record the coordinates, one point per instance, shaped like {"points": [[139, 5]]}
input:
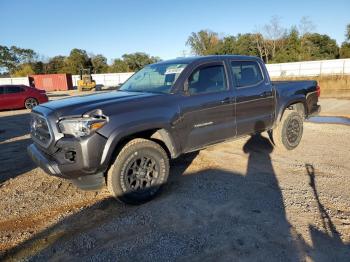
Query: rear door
{"points": [[14, 96], [254, 97], [207, 110]]}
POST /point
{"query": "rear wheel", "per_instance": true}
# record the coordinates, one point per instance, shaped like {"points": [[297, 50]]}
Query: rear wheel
{"points": [[30, 103], [289, 131], [139, 171]]}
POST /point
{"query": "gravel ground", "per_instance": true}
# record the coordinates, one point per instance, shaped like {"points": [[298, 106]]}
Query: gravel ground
{"points": [[333, 106], [238, 201]]}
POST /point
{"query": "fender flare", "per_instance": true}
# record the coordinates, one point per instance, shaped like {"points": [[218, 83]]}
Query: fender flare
{"points": [[164, 136], [294, 100], [161, 134]]}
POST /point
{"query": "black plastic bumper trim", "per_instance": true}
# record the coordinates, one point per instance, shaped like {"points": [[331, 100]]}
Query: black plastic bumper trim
{"points": [[43, 161]]}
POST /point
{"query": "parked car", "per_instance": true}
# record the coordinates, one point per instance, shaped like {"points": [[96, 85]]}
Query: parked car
{"points": [[20, 96], [124, 139]]}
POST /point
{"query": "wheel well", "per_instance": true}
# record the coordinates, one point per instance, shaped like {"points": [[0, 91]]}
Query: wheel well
{"points": [[29, 97], [298, 107], [146, 134]]}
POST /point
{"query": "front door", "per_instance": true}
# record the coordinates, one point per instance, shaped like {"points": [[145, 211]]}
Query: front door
{"points": [[208, 109]]}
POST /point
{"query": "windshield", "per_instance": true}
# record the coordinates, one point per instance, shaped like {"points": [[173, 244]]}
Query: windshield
{"points": [[156, 78]]}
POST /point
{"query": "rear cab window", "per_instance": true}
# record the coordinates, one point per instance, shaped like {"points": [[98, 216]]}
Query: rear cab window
{"points": [[246, 73]]}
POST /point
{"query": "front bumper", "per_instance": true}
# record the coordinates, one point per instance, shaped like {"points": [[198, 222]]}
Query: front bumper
{"points": [[45, 162], [74, 159]]}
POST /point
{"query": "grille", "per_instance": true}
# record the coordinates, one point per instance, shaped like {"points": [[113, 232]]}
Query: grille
{"points": [[39, 130]]}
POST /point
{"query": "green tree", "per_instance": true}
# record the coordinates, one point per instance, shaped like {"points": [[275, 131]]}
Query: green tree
{"points": [[245, 45], [138, 60], [56, 65], [118, 66], [227, 46], [8, 61], [39, 67], [204, 42], [23, 55], [291, 52], [99, 64], [345, 50], [272, 43], [23, 70], [12, 57], [345, 47], [317, 46], [76, 60]]}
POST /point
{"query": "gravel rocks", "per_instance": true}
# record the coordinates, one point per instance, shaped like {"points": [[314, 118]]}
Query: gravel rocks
{"points": [[223, 204]]}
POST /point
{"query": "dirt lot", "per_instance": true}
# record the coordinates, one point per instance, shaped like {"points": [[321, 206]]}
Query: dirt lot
{"points": [[242, 200]]}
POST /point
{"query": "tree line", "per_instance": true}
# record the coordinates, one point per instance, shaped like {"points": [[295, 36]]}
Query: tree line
{"points": [[271, 42], [15, 62]]}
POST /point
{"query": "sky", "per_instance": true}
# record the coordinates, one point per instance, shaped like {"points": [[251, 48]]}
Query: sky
{"points": [[156, 27]]}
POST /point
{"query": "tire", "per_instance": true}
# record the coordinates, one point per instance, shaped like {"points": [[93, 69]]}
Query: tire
{"points": [[289, 131], [30, 103], [139, 171]]}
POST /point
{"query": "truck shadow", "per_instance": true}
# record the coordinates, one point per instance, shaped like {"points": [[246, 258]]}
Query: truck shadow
{"points": [[14, 159], [327, 243], [14, 139], [13, 126]]}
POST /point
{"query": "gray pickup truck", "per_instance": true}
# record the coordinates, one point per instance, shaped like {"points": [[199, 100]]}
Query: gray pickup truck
{"points": [[124, 139]]}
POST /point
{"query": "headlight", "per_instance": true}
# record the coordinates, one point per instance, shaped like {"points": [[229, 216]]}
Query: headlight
{"points": [[82, 126]]}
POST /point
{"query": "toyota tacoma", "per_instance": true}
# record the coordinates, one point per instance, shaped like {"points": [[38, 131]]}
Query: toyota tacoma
{"points": [[124, 139]]}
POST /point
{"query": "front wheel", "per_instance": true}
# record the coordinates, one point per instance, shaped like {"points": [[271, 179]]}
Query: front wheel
{"points": [[289, 131], [139, 171]]}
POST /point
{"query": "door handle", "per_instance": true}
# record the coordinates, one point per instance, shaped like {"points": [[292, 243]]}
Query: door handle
{"points": [[266, 94], [226, 100]]}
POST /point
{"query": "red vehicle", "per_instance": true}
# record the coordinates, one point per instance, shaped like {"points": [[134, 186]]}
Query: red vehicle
{"points": [[20, 96]]}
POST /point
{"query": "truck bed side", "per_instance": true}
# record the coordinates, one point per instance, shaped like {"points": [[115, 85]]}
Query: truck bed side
{"points": [[291, 92]]}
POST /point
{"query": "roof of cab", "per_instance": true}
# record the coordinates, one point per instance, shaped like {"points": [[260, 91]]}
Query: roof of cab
{"points": [[188, 60]]}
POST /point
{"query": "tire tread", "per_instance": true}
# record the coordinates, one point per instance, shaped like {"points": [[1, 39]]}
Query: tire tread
{"points": [[136, 143]]}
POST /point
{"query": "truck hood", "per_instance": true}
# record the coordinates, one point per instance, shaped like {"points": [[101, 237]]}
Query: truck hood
{"points": [[78, 105]]}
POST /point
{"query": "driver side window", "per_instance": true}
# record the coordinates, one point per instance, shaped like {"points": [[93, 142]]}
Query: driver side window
{"points": [[208, 79]]}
